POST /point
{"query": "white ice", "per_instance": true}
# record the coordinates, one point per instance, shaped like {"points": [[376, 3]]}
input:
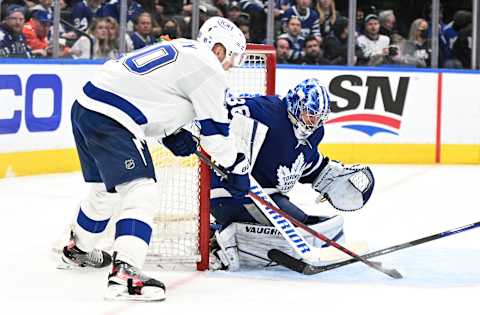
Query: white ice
{"points": [[409, 202]]}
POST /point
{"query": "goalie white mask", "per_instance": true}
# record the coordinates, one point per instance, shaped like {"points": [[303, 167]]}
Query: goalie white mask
{"points": [[223, 31], [308, 106]]}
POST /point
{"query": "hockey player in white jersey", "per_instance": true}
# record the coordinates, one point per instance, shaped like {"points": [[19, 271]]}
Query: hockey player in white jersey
{"points": [[288, 153], [150, 92]]}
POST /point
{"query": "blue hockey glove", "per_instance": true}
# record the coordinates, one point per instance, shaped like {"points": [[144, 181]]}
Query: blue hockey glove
{"points": [[238, 180], [181, 143]]}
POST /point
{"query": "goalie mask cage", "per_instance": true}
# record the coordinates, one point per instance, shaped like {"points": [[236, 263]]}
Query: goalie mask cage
{"points": [[181, 223]]}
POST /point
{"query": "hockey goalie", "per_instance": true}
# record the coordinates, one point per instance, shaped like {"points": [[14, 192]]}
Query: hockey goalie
{"points": [[282, 135]]}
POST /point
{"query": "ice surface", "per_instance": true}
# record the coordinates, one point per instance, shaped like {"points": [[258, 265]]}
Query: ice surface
{"points": [[409, 202]]}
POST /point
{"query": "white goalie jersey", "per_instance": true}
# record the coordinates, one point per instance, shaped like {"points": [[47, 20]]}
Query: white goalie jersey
{"points": [[156, 90]]}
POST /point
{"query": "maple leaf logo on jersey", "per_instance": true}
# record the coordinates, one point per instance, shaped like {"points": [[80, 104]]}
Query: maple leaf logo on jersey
{"points": [[287, 177]]}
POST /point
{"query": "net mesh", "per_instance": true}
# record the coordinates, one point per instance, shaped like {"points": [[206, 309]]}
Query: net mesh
{"points": [[176, 223]]}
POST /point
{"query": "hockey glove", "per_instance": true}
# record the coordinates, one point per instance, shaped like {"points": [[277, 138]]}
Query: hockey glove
{"points": [[238, 180], [181, 143]]}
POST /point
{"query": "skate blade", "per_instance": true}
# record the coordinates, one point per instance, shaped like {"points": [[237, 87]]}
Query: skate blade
{"points": [[67, 265], [120, 293]]}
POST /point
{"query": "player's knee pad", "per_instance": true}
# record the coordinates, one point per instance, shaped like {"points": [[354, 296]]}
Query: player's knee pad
{"points": [[99, 204], [139, 199]]}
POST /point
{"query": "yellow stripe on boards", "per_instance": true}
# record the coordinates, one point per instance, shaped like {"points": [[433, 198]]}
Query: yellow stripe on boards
{"points": [[460, 153], [66, 160], [38, 162]]}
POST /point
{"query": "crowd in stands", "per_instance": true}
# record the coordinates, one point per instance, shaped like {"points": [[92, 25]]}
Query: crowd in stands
{"points": [[308, 32]]}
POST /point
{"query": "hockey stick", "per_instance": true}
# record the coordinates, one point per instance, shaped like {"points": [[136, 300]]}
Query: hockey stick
{"points": [[281, 218], [307, 269]]}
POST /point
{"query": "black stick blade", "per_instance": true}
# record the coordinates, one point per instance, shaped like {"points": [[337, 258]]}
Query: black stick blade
{"points": [[287, 261]]}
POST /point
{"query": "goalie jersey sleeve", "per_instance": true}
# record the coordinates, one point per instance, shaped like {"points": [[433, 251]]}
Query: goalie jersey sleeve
{"points": [[282, 160], [156, 90]]}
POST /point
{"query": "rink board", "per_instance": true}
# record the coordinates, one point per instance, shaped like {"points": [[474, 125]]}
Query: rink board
{"points": [[379, 115]]}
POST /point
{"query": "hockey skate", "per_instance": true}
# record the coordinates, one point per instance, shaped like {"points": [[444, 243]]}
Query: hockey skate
{"points": [[127, 283], [74, 258]]}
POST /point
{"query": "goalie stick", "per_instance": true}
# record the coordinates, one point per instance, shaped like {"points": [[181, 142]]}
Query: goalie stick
{"points": [[307, 269], [257, 194]]}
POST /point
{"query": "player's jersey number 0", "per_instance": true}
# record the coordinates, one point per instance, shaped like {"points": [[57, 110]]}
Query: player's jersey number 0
{"points": [[150, 58]]}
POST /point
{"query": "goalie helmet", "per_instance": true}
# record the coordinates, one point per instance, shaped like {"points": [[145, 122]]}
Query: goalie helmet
{"points": [[308, 106], [220, 30]]}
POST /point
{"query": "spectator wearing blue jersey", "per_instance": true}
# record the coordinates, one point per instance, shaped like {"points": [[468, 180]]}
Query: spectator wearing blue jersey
{"points": [[112, 9], [450, 32], [12, 42], [83, 12], [143, 31], [308, 18], [297, 41]]}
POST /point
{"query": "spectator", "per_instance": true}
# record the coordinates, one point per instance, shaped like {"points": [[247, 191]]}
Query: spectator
{"points": [[101, 48], [282, 46], [297, 42], [43, 5], [113, 31], [308, 18], [461, 19], [209, 5], [388, 23], [258, 18], [462, 47], [233, 12], [327, 16], [360, 16], [170, 30], [374, 45], [36, 32], [313, 53], [336, 44], [418, 39], [12, 42], [172, 8], [83, 12], [243, 24], [112, 9], [143, 31]]}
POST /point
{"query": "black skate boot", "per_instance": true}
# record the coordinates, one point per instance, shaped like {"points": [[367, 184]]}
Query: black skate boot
{"points": [[73, 257], [129, 283]]}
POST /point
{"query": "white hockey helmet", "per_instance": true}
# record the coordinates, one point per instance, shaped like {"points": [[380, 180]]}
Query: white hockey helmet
{"points": [[221, 30]]}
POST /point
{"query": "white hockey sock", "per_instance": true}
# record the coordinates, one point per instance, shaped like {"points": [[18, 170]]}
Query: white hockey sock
{"points": [[93, 216], [134, 224]]}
